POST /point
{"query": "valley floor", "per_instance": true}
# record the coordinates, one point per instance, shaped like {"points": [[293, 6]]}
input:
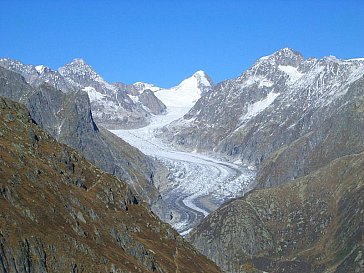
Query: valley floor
{"points": [[197, 184]]}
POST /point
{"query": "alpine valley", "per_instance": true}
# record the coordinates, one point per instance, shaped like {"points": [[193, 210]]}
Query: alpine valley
{"points": [[259, 173]]}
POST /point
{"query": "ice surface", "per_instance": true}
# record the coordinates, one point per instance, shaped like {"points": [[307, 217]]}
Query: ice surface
{"points": [[192, 175]]}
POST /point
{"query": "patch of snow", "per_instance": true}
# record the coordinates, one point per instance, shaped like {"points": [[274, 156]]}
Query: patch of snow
{"points": [[201, 77], [291, 71], [264, 58], [186, 232], [135, 99], [265, 83], [259, 106], [40, 68], [93, 94], [261, 81]]}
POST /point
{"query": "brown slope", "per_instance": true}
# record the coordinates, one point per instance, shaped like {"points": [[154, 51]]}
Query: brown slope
{"points": [[59, 213], [314, 224]]}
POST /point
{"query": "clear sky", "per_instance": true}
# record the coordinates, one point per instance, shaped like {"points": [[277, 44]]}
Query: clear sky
{"points": [[165, 41]]}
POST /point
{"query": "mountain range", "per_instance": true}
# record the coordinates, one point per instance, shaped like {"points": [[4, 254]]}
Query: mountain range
{"points": [[67, 116], [297, 121]]}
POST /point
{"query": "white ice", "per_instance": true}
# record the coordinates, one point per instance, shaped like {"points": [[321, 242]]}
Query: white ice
{"points": [[193, 175]]}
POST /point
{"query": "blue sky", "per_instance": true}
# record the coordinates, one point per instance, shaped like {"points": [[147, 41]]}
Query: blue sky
{"points": [[165, 41]]}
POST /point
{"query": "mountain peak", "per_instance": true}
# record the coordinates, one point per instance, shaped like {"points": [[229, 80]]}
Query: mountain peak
{"points": [[203, 80], [288, 52], [41, 68], [78, 61], [78, 64], [284, 56], [199, 73]]}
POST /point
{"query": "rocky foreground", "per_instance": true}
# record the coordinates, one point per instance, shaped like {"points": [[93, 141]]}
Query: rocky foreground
{"points": [[59, 213]]}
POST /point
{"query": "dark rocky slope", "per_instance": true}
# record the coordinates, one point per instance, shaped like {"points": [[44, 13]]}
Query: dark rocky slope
{"points": [[59, 213], [314, 224], [68, 118]]}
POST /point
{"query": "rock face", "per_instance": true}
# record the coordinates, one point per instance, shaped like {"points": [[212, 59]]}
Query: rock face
{"points": [[37, 75], [68, 118], [111, 107], [143, 95], [314, 224], [59, 213], [155, 106], [278, 100]]}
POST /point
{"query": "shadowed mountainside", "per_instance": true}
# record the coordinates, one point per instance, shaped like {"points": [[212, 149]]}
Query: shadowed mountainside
{"points": [[67, 117], [59, 213]]}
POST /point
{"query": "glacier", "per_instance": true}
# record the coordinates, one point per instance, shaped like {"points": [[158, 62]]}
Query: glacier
{"points": [[197, 183]]}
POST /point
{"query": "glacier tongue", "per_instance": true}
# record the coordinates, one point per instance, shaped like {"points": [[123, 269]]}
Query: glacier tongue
{"points": [[197, 184]]}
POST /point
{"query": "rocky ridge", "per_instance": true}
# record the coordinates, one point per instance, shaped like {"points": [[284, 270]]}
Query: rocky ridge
{"points": [[278, 100], [306, 213], [61, 214], [68, 118], [111, 104], [112, 107]]}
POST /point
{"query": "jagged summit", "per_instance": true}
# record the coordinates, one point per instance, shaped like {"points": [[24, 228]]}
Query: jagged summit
{"points": [[204, 80], [284, 56], [275, 93], [85, 76], [199, 80], [41, 68], [77, 65]]}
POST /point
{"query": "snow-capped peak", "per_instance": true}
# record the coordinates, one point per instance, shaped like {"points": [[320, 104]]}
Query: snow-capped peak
{"points": [[83, 74], [199, 82], [40, 68], [187, 92], [204, 81], [285, 56]]}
